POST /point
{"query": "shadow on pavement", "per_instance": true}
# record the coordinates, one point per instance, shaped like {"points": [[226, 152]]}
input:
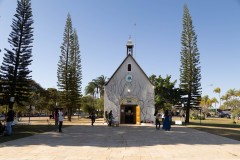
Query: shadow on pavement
{"points": [[123, 136]]}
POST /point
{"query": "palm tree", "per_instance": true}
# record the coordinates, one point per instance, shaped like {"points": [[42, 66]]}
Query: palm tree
{"points": [[214, 100], [218, 90], [100, 82], [205, 103], [225, 97], [232, 100], [90, 88], [232, 93], [238, 93]]}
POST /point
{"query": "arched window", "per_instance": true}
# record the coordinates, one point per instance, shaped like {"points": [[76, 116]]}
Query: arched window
{"points": [[129, 67], [129, 51]]}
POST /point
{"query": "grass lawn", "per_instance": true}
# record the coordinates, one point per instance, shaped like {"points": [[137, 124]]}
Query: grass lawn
{"points": [[218, 126], [21, 131], [38, 125]]}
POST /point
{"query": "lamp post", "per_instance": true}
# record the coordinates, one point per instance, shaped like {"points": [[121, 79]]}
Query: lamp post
{"points": [[183, 116], [200, 116], [92, 103], [11, 102], [55, 115]]}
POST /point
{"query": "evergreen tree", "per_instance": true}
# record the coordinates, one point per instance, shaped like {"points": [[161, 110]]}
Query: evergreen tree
{"points": [[69, 69], [15, 78], [190, 75], [64, 64], [75, 72]]}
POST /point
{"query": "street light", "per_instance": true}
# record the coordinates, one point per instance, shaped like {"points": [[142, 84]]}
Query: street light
{"points": [[95, 92], [200, 116]]}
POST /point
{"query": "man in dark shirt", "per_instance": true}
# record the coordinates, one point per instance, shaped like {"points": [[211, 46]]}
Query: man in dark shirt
{"points": [[10, 118], [93, 117], [110, 116]]}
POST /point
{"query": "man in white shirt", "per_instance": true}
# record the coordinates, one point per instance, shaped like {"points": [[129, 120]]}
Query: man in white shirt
{"points": [[60, 119], [157, 122], [162, 117]]}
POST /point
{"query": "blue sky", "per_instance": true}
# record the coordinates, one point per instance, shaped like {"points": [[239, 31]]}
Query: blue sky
{"points": [[104, 26]]}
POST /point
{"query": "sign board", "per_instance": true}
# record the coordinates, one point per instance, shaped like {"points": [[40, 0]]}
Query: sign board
{"points": [[178, 122], [130, 101]]}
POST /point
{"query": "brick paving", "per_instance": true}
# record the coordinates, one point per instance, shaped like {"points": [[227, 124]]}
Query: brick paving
{"points": [[127, 142]]}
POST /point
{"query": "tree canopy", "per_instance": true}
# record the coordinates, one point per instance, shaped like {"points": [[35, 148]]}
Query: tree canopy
{"points": [[14, 73], [69, 69], [190, 70], [166, 95]]}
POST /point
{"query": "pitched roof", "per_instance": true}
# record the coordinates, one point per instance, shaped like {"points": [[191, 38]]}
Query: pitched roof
{"points": [[129, 55]]}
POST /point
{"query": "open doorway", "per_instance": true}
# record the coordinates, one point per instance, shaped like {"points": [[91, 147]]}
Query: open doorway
{"points": [[128, 114]]}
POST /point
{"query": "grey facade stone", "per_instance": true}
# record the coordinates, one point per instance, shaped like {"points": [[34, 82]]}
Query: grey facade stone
{"points": [[130, 88]]}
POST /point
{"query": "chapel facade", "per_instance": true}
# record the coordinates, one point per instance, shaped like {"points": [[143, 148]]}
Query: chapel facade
{"points": [[129, 92]]}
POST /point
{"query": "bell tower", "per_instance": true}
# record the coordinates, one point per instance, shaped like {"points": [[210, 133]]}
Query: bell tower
{"points": [[129, 47]]}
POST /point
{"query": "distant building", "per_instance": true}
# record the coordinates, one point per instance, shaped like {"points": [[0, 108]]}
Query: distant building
{"points": [[129, 93]]}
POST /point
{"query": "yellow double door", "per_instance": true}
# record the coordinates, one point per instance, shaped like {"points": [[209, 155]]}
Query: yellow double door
{"points": [[130, 114]]}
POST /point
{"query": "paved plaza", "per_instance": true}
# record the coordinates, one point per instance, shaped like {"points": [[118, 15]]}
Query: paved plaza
{"points": [[121, 143]]}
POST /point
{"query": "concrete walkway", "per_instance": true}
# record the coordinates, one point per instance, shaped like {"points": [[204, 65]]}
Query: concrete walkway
{"points": [[122, 143]]}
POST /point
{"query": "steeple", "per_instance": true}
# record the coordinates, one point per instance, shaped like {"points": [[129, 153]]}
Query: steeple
{"points": [[129, 47]]}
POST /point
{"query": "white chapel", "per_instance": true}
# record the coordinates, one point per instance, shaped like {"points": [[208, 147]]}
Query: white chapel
{"points": [[129, 92]]}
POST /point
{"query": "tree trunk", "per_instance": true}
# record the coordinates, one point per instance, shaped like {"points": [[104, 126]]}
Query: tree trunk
{"points": [[188, 109], [187, 115], [69, 114]]}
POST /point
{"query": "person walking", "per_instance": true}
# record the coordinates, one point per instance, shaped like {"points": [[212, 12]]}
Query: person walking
{"points": [[157, 121], [55, 116], [110, 118], [60, 120], [106, 117], [10, 119], [93, 117]]}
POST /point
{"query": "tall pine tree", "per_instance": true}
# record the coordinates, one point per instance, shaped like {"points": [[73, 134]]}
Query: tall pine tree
{"points": [[75, 72], [15, 78], [190, 70], [69, 69], [64, 65]]}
